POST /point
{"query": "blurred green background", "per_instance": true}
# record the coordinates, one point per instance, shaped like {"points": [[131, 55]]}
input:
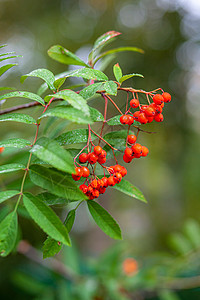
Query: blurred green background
{"points": [[168, 31]]}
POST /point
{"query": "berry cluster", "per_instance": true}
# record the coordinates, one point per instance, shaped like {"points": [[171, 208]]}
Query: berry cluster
{"points": [[93, 186], [146, 113]]}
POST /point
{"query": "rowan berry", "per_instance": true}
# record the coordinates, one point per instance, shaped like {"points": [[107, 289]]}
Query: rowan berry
{"points": [[127, 159], [150, 111], [94, 184], [100, 183], [123, 171], [150, 119], [102, 190], [136, 115], [92, 158], [130, 120], [158, 108], [134, 103], [117, 177], [132, 138], [90, 190], [86, 172], [105, 181], [158, 99], [97, 150], [143, 108], [95, 193], [103, 154], [101, 161], [145, 151], [130, 266], [159, 118], [83, 188], [124, 119], [111, 181], [142, 118], [167, 97], [137, 149], [128, 152], [76, 177], [2, 149], [117, 168], [83, 157]]}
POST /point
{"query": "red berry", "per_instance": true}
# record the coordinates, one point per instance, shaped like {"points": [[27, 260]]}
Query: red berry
{"points": [[100, 183], [105, 181], [117, 168], [142, 118], [132, 138], [86, 172], [103, 154], [111, 181], [136, 115], [94, 184], [76, 177], [83, 188], [150, 119], [158, 108], [1, 149], [83, 157], [134, 103], [167, 97], [137, 149], [128, 152], [143, 108], [101, 161], [158, 99], [97, 150], [78, 173], [123, 171], [102, 190], [158, 118], [95, 193], [145, 151], [90, 190], [127, 159], [124, 119], [150, 111], [130, 120], [92, 158], [117, 177]]}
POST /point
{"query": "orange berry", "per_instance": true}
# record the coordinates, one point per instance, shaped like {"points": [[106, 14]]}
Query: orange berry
{"points": [[103, 154], [132, 138], [2, 149], [142, 118], [95, 193], [128, 152], [137, 149], [83, 157], [134, 103], [130, 266], [130, 120], [158, 118], [117, 168], [117, 177], [105, 181], [83, 188], [127, 159], [92, 158], [124, 119], [111, 181], [86, 172], [101, 161], [97, 150], [136, 115], [123, 171], [145, 151], [102, 190], [158, 99], [150, 111], [167, 97], [94, 184]]}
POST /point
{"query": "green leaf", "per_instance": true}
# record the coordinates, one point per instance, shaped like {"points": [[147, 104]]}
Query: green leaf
{"points": [[59, 82], [104, 220], [4, 45], [88, 73], [180, 243], [69, 221], [51, 247], [3, 88], [23, 94], [110, 87], [117, 138], [15, 143], [192, 230], [8, 233], [167, 295], [5, 68], [11, 167], [95, 115], [127, 188], [46, 218], [117, 72], [74, 137], [90, 90], [64, 56], [7, 195], [22, 118], [125, 77], [44, 74], [67, 112], [103, 40], [74, 99], [120, 49], [51, 152], [9, 57], [51, 199], [56, 183]]}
